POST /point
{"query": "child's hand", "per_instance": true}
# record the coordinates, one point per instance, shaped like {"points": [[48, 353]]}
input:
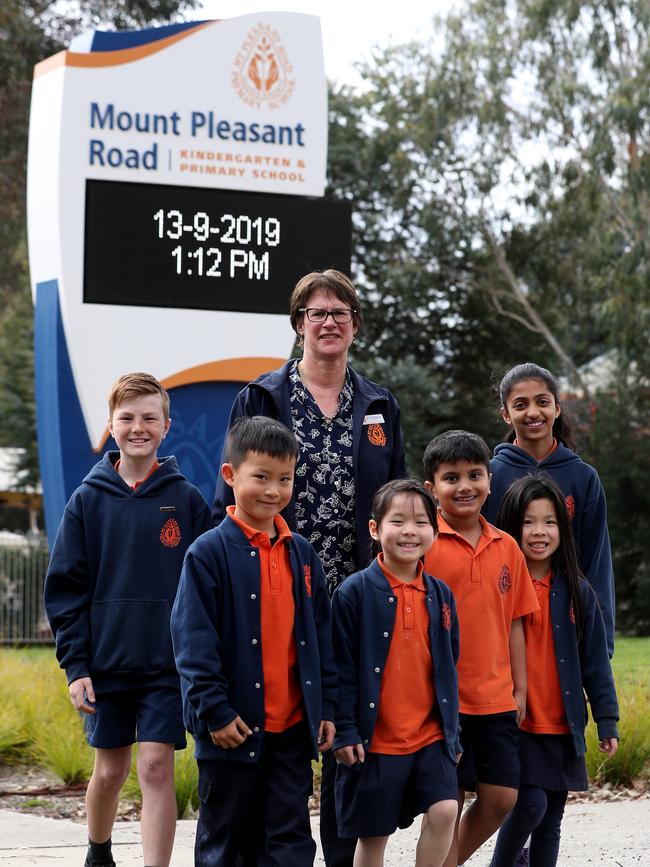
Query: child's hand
{"points": [[326, 732], [353, 755], [608, 746], [82, 695], [232, 735], [520, 701]]}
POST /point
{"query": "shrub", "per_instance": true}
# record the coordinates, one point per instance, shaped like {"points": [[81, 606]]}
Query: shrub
{"points": [[632, 758]]}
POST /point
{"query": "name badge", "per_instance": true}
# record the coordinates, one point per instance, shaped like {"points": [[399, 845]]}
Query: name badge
{"points": [[374, 419]]}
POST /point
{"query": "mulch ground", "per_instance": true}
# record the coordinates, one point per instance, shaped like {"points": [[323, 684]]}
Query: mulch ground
{"points": [[32, 790]]}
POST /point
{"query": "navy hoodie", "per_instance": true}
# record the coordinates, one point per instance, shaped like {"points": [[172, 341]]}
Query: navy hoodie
{"points": [[114, 573], [586, 503]]}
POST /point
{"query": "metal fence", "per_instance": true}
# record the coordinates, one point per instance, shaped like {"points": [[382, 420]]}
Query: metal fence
{"points": [[22, 575]]}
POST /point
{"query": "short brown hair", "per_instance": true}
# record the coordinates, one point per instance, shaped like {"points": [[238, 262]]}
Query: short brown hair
{"points": [[336, 282], [132, 385]]}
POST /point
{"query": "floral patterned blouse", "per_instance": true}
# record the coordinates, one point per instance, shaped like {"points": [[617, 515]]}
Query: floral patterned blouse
{"points": [[324, 493]]}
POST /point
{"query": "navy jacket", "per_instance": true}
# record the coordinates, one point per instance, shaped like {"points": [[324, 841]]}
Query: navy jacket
{"points": [[373, 465], [364, 612], [216, 629], [584, 666], [114, 572], [583, 490]]}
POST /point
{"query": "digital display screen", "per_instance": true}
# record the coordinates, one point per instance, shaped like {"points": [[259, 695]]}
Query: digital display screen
{"points": [[195, 247]]}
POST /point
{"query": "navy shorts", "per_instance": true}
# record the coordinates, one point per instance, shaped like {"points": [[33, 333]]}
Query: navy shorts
{"points": [[148, 714], [373, 799], [490, 750]]}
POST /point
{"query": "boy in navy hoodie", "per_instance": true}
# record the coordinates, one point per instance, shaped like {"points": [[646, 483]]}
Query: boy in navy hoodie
{"points": [[252, 637], [109, 589]]}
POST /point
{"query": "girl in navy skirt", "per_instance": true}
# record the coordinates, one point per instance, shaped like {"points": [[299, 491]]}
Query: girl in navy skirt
{"points": [[566, 657], [540, 437], [396, 642]]}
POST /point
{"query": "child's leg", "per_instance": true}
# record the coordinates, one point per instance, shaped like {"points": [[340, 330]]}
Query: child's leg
{"points": [[452, 856], [545, 841], [155, 764], [525, 817], [437, 834], [102, 795], [287, 786], [370, 852], [484, 817]]}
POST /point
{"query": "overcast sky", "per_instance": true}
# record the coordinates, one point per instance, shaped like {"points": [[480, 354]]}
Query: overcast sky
{"points": [[350, 27]]}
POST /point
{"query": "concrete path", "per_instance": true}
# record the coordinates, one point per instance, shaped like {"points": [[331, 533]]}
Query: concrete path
{"points": [[611, 834]]}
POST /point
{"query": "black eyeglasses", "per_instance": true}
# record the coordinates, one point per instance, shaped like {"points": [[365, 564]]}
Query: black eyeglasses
{"points": [[319, 314]]}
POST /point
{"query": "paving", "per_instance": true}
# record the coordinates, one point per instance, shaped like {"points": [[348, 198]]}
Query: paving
{"points": [[610, 833]]}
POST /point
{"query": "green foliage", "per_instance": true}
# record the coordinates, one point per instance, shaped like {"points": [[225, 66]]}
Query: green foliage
{"points": [[186, 778], [632, 760]]}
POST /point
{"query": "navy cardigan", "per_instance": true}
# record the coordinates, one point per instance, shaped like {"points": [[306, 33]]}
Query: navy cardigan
{"points": [[216, 631], [364, 611], [373, 464], [587, 506], [583, 666]]}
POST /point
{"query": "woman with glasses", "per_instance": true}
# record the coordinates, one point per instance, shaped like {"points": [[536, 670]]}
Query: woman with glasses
{"points": [[348, 430]]}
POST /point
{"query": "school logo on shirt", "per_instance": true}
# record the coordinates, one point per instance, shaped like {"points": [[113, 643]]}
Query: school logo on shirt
{"points": [[308, 579], [170, 534], [446, 616], [570, 505], [376, 435], [505, 580]]}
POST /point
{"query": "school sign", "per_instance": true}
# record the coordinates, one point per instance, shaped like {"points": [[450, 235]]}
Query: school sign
{"points": [[175, 183]]}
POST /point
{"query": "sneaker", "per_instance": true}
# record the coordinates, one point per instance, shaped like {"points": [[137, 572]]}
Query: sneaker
{"points": [[522, 858]]}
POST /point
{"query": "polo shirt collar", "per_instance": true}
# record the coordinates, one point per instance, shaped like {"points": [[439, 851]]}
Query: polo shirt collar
{"points": [[486, 528], [546, 581], [396, 583], [257, 536]]}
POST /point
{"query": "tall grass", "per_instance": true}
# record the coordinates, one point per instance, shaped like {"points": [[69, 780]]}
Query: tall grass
{"points": [[39, 726], [632, 759]]}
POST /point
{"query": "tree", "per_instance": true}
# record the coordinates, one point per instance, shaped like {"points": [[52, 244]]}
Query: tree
{"points": [[499, 175]]}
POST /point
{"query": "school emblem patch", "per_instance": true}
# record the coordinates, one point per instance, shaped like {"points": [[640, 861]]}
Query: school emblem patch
{"points": [[570, 505], [505, 580], [308, 579], [446, 616], [376, 435], [170, 534]]}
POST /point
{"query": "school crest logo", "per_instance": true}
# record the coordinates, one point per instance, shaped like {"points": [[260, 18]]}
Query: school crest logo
{"points": [[446, 616], [570, 505], [170, 534], [308, 579], [505, 580], [262, 73], [376, 435]]}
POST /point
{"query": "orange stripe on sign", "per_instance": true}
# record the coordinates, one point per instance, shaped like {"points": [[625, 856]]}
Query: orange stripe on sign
{"points": [[98, 59], [229, 370]]}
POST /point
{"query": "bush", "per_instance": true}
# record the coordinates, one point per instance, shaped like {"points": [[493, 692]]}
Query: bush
{"points": [[632, 758]]}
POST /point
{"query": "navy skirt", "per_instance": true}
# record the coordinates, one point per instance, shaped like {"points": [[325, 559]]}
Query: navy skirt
{"points": [[550, 762]]}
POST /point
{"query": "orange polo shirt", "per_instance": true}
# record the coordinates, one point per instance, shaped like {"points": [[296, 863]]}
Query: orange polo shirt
{"points": [[544, 706], [492, 588], [135, 487], [407, 719], [283, 705]]}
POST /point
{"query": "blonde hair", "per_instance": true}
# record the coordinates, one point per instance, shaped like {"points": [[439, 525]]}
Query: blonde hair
{"points": [[132, 385]]}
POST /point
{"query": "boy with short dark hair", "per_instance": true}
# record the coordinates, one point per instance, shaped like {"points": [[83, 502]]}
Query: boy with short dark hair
{"points": [[252, 637], [109, 589], [487, 574]]}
